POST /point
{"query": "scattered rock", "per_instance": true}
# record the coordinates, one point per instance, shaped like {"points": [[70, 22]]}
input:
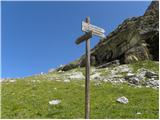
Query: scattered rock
{"points": [[51, 70], [98, 84], [50, 78], [138, 113], [141, 73], [112, 63], [12, 81], [133, 79], [122, 69], [61, 65], [123, 100], [151, 74], [58, 80], [93, 70], [42, 73], [130, 74], [96, 76], [153, 83], [54, 102], [76, 75], [83, 85], [66, 80], [60, 71]]}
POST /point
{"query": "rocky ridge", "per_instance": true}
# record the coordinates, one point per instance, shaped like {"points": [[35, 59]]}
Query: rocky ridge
{"points": [[136, 39]]}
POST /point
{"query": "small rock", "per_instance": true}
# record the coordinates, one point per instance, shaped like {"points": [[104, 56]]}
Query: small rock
{"points": [[93, 70], [51, 70], [54, 102], [58, 80], [134, 80], [112, 63], [123, 100], [12, 81], [98, 84], [96, 76], [83, 85], [61, 65], [138, 86], [60, 71], [130, 74], [50, 78], [138, 113], [66, 80], [141, 73], [153, 83], [41, 73], [76, 75], [123, 68], [151, 74]]}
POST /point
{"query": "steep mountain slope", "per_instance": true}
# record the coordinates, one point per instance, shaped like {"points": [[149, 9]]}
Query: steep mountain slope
{"points": [[136, 39]]}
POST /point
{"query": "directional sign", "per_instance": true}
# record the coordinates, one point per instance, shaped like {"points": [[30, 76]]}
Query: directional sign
{"points": [[94, 29], [89, 31]]}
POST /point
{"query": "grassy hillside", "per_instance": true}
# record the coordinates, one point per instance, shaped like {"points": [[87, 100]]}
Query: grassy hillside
{"points": [[29, 98]]}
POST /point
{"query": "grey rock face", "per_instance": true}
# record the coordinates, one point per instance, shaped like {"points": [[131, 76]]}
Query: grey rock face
{"points": [[122, 100]]}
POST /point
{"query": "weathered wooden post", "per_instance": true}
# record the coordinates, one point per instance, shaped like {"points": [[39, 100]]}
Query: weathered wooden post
{"points": [[87, 80], [89, 29]]}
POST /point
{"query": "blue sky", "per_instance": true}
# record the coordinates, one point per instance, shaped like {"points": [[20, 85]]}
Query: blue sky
{"points": [[38, 36]]}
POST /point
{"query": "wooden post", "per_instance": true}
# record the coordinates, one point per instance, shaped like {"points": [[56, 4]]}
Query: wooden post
{"points": [[90, 30], [87, 79]]}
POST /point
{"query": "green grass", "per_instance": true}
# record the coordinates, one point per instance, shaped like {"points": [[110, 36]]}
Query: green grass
{"points": [[25, 99], [151, 65]]}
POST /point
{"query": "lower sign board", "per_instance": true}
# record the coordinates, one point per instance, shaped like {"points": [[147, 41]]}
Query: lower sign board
{"points": [[84, 37]]}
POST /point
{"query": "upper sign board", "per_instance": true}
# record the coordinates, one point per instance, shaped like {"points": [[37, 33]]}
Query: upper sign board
{"points": [[94, 29]]}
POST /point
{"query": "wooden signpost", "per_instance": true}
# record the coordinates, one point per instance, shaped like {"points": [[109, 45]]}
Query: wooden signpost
{"points": [[90, 30]]}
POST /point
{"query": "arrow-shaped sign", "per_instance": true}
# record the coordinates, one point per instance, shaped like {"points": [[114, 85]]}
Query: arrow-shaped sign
{"points": [[94, 29]]}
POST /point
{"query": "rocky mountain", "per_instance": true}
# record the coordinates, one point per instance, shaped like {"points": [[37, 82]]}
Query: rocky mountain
{"points": [[136, 39]]}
